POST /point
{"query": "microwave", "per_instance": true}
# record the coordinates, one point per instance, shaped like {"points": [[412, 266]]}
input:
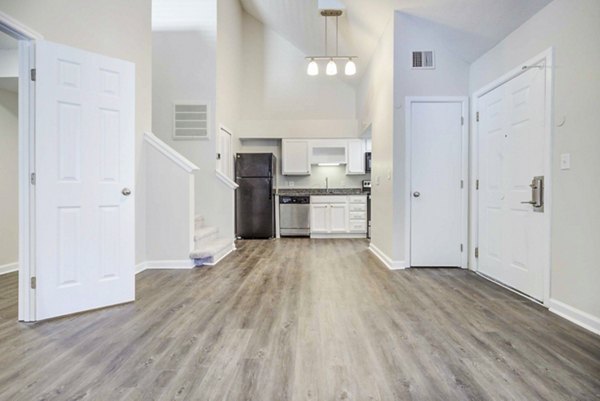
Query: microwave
{"points": [[367, 162]]}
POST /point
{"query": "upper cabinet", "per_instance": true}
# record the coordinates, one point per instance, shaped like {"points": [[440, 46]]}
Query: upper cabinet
{"points": [[356, 157], [295, 157], [299, 154]]}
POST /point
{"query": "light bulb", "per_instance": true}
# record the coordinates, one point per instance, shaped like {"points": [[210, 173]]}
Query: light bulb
{"points": [[350, 67], [331, 68], [313, 68]]}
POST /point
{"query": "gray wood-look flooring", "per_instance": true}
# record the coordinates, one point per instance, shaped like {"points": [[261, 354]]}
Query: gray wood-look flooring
{"points": [[299, 319]]}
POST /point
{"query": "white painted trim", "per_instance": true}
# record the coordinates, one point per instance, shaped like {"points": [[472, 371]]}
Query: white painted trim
{"points": [[170, 153], [464, 101], [387, 261], [579, 317], [164, 264], [16, 29], [226, 180], [222, 255], [26, 37], [546, 57], [339, 235], [9, 268]]}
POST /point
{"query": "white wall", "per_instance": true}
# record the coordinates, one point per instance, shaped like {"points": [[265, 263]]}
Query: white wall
{"points": [[115, 28], [572, 28], [278, 98], [336, 174], [9, 174], [9, 62], [381, 96]]}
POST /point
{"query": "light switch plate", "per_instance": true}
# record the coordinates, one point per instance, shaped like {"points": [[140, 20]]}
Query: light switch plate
{"points": [[565, 161]]}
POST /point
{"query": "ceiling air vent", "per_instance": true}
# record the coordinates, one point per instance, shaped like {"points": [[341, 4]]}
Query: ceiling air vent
{"points": [[423, 59], [190, 121]]}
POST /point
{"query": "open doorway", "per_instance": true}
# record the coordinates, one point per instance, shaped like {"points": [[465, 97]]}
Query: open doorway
{"points": [[9, 163]]}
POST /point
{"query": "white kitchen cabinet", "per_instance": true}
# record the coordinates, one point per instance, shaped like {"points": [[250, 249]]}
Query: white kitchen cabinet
{"points": [[295, 157], [338, 218], [356, 157], [335, 216], [319, 218]]}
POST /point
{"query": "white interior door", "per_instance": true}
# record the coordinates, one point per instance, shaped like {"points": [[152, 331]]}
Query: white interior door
{"points": [[225, 161], [513, 238], [85, 245], [436, 189]]}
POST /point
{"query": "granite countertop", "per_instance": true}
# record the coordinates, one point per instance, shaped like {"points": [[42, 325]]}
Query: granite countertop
{"points": [[319, 191]]}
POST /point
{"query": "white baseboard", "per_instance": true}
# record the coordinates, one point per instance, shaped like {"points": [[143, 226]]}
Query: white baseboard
{"points": [[579, 317], [9, 268], [221, 255], [164, 264], [387, 261]]}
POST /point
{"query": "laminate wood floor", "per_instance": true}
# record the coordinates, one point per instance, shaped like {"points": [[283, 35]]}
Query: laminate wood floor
{"points": [[299, 319]]}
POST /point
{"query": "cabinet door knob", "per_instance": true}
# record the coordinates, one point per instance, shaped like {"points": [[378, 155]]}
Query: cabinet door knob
{"points": [[126, 191]]}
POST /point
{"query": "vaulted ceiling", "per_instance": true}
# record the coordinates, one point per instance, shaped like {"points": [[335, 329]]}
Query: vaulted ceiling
{"points": [[477, 24]]}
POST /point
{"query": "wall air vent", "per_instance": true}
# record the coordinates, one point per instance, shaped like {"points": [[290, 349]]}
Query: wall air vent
{"points": [[190, 121], [423, 59]]}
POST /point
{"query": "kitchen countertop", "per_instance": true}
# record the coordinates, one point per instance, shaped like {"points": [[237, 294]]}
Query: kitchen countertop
{"points": [[319, 191]]}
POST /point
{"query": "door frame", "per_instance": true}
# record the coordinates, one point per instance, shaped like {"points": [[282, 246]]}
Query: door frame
{"points": [[464, 101], [546, 57], [26, 117]]}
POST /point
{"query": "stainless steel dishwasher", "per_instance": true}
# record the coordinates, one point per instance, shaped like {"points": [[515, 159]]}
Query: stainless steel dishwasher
{"points": [[294, 216]]}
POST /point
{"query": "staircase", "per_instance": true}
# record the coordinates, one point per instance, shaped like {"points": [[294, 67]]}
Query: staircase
{"points": [[209, 248]]}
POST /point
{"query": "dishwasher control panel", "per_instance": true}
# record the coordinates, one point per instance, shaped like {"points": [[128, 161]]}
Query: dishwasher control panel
{"points": [[294, 200]]}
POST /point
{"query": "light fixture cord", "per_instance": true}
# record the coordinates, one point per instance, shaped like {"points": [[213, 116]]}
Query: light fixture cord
{"points": [[336, 36]]}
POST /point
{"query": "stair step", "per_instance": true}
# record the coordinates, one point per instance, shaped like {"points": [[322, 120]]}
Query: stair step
{"points": [[211, 248], [205, 232]]}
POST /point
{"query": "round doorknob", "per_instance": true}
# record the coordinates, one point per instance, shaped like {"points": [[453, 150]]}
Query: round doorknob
{"points": [[416, 194], [126, 191]]}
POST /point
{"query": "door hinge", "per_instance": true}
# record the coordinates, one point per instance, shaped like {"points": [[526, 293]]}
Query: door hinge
{"points": [[33, 74], [462, 184], [462, 120], [477, 252], [461, 247], [33, 282], [33, 179], [477, 116], [477, 184], [218, 156]]}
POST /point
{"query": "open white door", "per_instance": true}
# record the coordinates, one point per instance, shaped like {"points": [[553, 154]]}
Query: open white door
{"points": [[514, 235], [225, 156], [437, 159], [85, 245]]}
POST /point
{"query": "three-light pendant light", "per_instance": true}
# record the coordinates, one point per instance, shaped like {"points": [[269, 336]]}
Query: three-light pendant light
{"points": [[331, 68]]}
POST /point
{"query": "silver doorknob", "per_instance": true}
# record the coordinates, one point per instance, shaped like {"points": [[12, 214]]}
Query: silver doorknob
{"points": [[416, 194], [126, 191]]}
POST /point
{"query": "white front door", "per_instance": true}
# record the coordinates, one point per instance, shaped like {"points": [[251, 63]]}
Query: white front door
{"points": [[84, 163], [513, 238], [436, 187]]}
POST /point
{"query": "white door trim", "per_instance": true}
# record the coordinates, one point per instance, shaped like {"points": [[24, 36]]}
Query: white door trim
{"points": [[26, 37], [464, 101], [546, 57]]}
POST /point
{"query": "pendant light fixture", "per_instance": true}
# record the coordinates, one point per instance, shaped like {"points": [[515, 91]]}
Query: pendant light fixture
{"points": [[331, 69]]}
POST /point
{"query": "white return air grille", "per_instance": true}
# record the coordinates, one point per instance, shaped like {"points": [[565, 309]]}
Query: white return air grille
{"points": [[423, 59], [190, 121]]}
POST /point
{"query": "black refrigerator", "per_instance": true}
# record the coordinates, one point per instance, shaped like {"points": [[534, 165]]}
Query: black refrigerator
{"points": [[255, 197]]}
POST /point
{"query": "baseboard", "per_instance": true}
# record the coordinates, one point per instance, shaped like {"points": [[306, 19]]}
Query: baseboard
{"points": [[339, 236], [387, 261], [579, 317], [164, 264], [222, 255], [9, 268]]}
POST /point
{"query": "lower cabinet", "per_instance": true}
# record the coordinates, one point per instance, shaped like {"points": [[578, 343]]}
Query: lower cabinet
{"points": [[338, 216]]}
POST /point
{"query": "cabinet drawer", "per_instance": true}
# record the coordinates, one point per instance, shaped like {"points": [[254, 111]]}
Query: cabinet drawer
{"points": [[358, 199], [361, 216], [358, 207], [329, 199], [358, 227]]}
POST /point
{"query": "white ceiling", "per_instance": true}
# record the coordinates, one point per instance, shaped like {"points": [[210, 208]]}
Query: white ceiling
{"points": [[184, 15], [477, 25]]}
